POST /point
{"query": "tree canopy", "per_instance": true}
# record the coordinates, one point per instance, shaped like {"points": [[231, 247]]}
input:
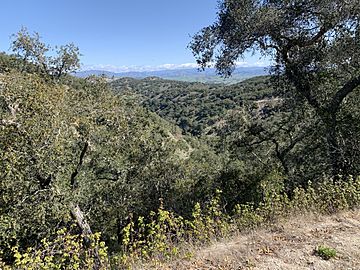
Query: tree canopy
{"points": [[84, 155], [315, 46], [30, 48]]}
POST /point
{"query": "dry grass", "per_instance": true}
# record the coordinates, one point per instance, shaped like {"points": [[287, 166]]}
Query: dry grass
{"points": [[288, 244]]}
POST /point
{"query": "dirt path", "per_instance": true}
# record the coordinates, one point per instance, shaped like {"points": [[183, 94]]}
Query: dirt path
{"points": [[286, 245]]}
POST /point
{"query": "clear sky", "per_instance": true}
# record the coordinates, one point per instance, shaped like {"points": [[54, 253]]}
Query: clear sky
{"points": [[114, 34]]}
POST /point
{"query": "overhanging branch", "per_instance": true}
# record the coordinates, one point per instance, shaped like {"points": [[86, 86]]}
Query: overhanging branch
{"points": [[342, 93]]}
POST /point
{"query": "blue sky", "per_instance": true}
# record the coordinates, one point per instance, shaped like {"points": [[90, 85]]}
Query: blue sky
{"points": [[115, 35]]}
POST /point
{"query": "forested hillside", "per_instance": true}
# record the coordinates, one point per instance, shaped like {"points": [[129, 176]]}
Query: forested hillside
{"points": [[114, 175], [183, 74], [196, 107]]}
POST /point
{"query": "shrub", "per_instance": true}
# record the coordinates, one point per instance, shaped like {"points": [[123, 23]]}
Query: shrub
{"points": [[165, 233], [66, 251], [325, 252]]}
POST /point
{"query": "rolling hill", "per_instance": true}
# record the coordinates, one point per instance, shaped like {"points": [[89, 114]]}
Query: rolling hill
{"points": [[195, 107], [187, 75]]}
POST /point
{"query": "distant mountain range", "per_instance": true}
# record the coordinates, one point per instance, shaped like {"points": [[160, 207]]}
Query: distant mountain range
{"points": [[189, 75]]}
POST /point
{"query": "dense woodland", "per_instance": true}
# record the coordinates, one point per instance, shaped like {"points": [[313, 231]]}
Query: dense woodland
{"points": [[195, 107], [154, 163]]}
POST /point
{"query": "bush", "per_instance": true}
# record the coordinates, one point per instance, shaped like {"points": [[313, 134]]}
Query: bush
{"points": [[165, 234], [325, 252], [65, 251]]}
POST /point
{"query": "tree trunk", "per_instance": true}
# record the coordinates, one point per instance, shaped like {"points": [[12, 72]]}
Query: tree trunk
{"points": [[84, 226]]}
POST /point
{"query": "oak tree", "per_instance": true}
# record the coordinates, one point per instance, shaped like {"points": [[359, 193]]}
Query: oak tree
{"points": [[315, 46], [31, 50]]}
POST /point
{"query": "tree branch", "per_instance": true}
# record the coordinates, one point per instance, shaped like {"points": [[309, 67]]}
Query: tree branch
{"points": [[342, 93], [81, 160], [305, 43], [78, 215]]}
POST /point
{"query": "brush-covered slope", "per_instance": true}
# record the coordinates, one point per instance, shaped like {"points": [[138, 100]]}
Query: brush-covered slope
{"points": [[194, 107]]}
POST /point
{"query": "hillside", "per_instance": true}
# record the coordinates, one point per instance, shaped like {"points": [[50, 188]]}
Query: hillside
{"points": [[195, 107], [185, 75], [103, 173], [289, 244], [143, 168]]}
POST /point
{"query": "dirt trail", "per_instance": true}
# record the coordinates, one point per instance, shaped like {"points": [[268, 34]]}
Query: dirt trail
{"points": [[286, 245]]}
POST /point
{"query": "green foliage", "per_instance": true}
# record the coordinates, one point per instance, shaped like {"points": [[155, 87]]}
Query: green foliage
{"points": [[316, 54], [65, 251], [33, 55], [246, 217], [325, 252], [195, 107], [62, 145], [165, 233], [156, 239], [260, 152], [8, 62], [328, 197]]}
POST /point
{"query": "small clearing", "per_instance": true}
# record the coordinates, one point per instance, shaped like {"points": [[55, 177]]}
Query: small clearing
{"points": [[288, 244]]}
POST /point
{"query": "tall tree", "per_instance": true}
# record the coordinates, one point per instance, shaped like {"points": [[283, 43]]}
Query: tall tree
{"points": [[315, 45], [31, 49], [66, 60]]}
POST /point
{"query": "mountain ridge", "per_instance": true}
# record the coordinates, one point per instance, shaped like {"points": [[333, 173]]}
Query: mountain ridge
{"points": [[185, 74]]}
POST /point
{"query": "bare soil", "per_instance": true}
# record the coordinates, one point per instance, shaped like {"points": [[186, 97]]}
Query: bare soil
{"points": [[287, 244]]}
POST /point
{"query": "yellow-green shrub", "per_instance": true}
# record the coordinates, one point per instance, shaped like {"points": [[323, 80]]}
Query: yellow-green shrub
{"points": [[65, 251], [164, 234]]}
